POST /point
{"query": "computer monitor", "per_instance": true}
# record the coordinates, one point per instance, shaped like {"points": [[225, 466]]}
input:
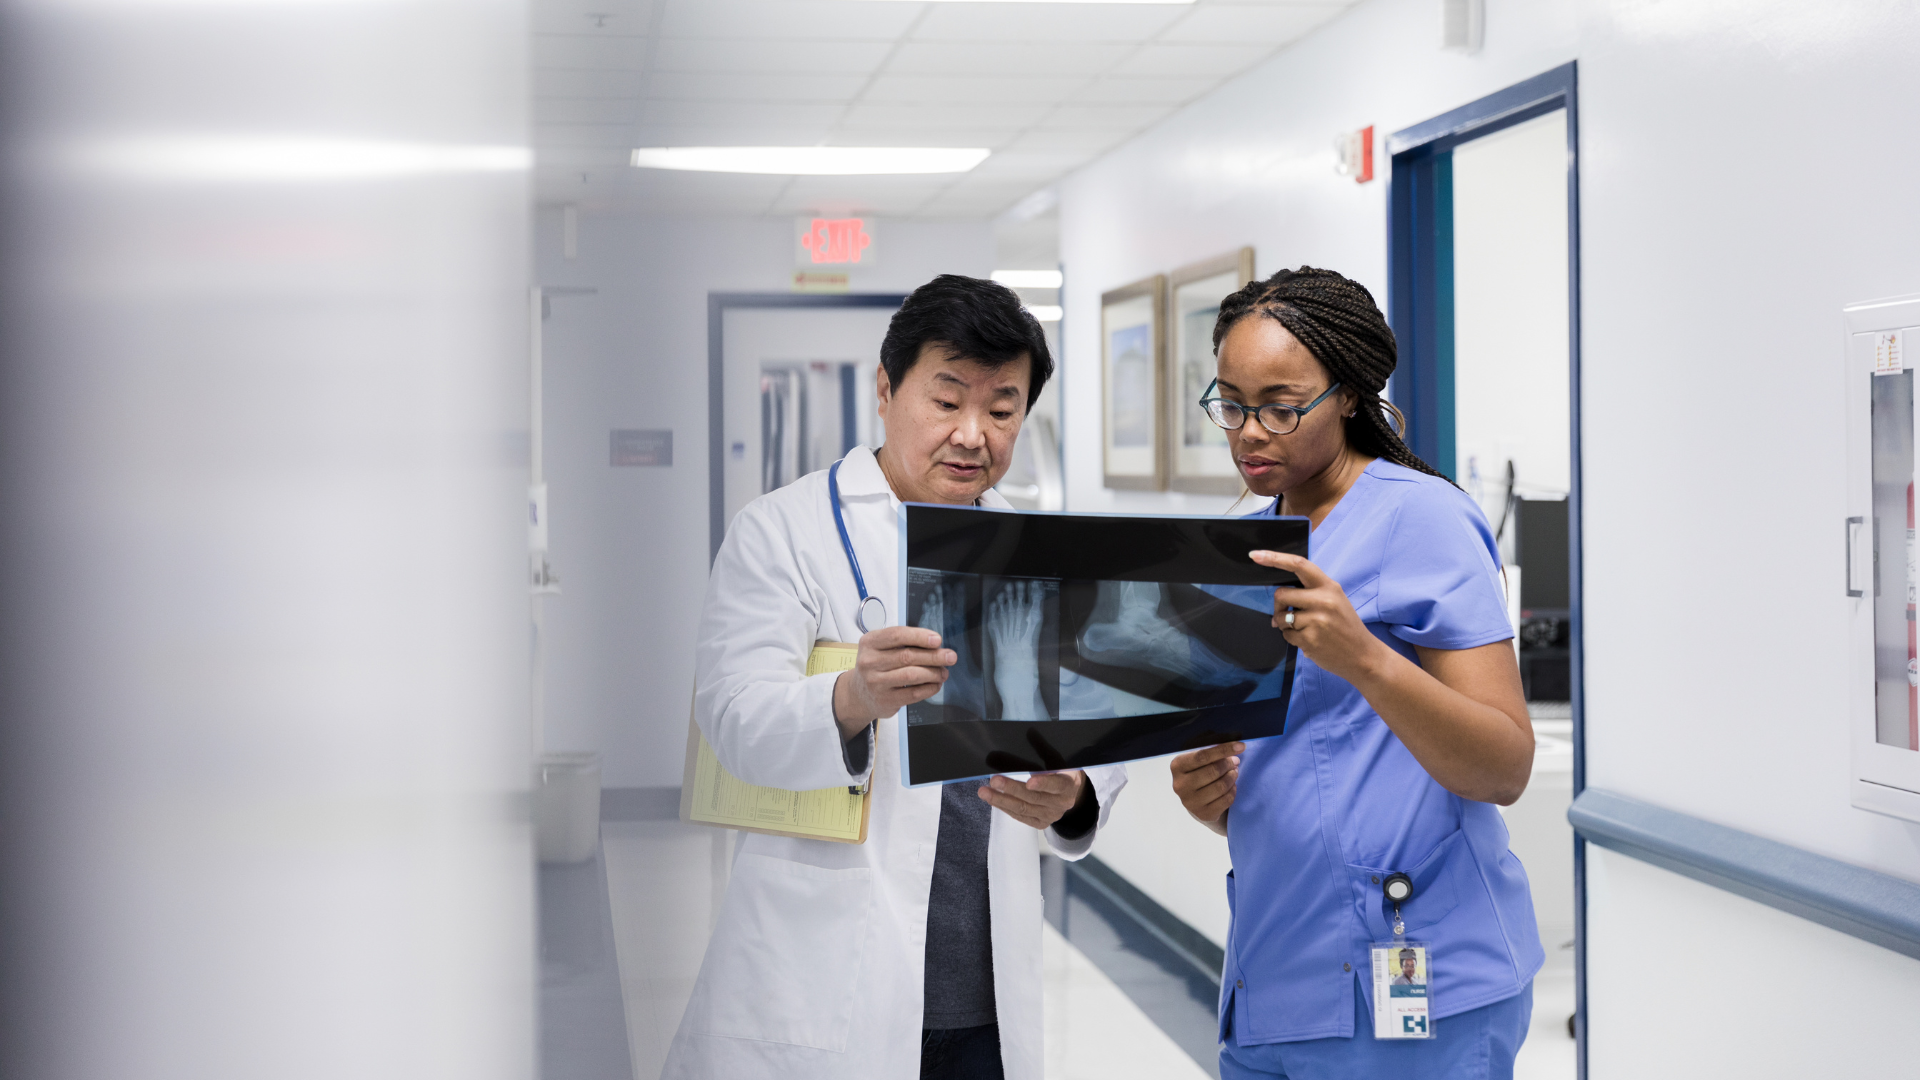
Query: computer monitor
{"points": [[1540, 550]]}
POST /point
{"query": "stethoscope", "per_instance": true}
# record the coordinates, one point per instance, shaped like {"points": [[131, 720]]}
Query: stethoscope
{"points": [[840, 522]]}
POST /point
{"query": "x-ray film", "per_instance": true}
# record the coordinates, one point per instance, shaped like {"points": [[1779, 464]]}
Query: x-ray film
{"points": [[1089, 639]]}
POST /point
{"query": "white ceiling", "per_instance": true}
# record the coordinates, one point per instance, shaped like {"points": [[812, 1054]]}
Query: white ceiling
{"points": [[1045, 86]]}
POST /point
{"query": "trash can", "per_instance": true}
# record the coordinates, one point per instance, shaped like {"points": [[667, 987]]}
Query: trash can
{"points": [[566, 807]]}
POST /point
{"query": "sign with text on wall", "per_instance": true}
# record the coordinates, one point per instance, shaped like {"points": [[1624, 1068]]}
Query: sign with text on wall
{"points": [[835, 241]]}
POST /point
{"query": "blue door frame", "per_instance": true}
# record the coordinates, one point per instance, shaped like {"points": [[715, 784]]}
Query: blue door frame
{"points": [[1420, 306]]}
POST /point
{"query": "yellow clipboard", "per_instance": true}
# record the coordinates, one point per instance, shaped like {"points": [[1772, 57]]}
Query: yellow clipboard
{"points": [[710, 795]]}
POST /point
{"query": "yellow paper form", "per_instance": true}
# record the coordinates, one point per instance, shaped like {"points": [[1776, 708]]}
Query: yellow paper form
{"points": [[713, 796]]}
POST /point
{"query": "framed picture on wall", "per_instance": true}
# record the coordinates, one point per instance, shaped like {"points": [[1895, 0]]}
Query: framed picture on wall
{"points": [[1197, 455], [1132, 363]]}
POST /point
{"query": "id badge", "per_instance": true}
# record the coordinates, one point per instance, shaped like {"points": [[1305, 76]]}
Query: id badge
{"points": [[1400, 980]]}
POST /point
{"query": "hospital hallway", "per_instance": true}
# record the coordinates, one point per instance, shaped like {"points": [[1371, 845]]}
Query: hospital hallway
{"points": [[871, 539], [1130, 990]]}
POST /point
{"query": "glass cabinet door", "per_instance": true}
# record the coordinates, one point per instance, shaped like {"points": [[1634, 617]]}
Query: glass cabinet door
{"points": [[1882, 565], [1896, 672]]}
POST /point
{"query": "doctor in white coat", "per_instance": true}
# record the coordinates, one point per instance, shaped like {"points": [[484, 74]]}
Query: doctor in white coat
{"points": [[917, 953]]}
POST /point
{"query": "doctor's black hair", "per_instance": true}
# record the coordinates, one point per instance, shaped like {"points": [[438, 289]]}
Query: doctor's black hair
{"points": [[1336, 318], [979, 320]]}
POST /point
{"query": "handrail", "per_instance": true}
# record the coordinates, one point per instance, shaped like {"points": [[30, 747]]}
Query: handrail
{"points": [[1862, 903]]}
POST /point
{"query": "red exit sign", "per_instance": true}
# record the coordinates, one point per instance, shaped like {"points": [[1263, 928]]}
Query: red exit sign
{"points": [[825, 241]]}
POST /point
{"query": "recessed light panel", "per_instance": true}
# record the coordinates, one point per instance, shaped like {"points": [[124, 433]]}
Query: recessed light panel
{"points": [[811, 160]]}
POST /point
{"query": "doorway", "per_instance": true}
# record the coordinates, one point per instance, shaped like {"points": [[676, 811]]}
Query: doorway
{"points": [[790, 389], [1484, 297]]}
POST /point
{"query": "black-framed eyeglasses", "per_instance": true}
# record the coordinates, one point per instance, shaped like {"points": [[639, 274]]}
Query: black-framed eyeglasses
{"points": [[1277, 418]]}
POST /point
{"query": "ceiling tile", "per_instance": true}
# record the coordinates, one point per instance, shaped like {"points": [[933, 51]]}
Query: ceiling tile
{"points": [[728, 135], [1034, 166], [974, 201], [1219, 61], [1070, 140], [844, 20], [665, 191], [1107, 117], [579, 83], [554, 136], [585, 111], [708, 86], [742, 113], [1005, 58], [1047, 87], [886, 196], [1171, 91], [958, 89], [809, 57], [570, 159], [922, 135], [590, 16], [1043, 22], [587, 51], [944, 116], [1241, 24]]}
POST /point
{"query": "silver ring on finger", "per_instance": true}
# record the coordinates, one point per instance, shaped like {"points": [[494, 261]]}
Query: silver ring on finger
{"points": [[1290, 619]]}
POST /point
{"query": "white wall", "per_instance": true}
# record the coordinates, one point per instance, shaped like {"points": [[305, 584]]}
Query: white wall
{"points": [[1686, 981], [1740, 182], [630, 544]]}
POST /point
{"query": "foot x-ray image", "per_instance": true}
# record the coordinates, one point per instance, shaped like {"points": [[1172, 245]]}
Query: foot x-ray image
{"points": [[1088, 640]]}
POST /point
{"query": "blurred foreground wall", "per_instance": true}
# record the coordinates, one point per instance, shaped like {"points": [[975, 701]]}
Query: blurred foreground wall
{"points": [[263, 677]]}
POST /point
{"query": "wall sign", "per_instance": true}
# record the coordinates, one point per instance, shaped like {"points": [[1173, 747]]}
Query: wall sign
{"points": [[633, 447], [825, 241]]}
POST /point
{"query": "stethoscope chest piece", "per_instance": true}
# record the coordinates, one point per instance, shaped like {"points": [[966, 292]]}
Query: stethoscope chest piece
{"points": [[868, 623]]}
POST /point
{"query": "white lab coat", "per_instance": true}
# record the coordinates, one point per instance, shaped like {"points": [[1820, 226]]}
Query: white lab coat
{"points": [[815, 967]]}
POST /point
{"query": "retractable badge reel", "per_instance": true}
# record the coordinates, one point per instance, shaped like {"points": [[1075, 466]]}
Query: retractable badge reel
{"points": [[1401, 973]]}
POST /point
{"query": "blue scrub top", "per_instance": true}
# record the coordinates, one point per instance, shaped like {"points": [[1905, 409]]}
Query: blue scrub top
{"points": [[1335, 804]]}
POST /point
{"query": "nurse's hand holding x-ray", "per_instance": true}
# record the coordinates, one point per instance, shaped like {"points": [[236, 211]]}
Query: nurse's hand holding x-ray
{"points": [[1326, 628], [896, 667], [1318, 618]]}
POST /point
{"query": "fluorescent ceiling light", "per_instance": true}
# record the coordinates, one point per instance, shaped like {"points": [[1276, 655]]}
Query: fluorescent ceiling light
{"points": [[269, 159], [1028, 279], [1045, 312], [811, 160]]}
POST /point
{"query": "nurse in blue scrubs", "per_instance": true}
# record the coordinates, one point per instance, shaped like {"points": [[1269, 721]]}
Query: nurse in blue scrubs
{"points": [[1408, 727]]}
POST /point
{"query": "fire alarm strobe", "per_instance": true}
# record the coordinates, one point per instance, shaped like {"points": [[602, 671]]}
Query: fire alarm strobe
{"points": [[1353, 154]]}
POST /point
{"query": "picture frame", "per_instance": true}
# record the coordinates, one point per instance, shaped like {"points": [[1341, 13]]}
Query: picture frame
{"points": [[1132, 373], [1197, 459]]}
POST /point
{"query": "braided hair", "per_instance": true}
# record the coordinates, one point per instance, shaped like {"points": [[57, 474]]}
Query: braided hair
{"points": [[1336, 319]]}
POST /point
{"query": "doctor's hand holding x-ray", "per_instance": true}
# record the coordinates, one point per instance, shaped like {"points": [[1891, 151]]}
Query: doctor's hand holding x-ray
{"points": [[962, 420]]}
